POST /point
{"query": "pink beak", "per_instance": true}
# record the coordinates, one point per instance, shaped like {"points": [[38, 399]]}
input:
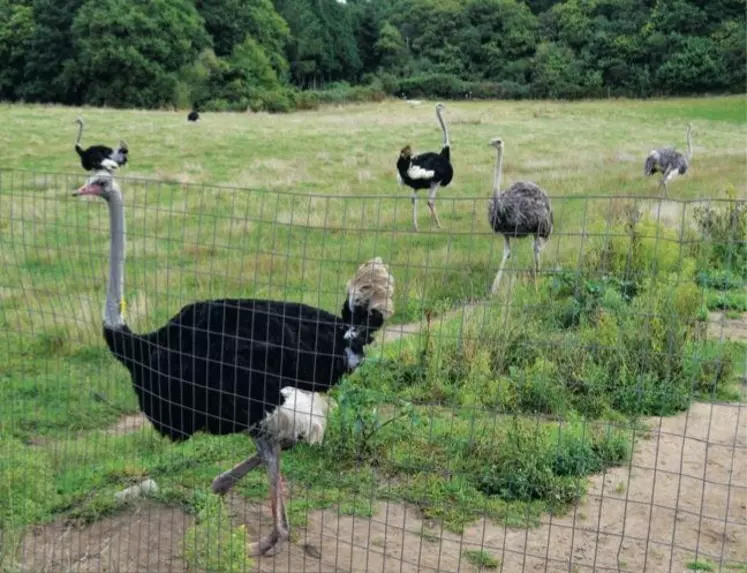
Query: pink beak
{"points": [[92, 189]]}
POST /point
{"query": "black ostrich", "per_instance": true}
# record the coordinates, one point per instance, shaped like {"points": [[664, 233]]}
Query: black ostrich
{"points": [[193, 116], [521, 210], [240, 365], [669, 162], [426, 171], [100, 156]]}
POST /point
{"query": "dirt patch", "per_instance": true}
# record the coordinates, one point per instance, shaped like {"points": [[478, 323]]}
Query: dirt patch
{"points": [[729, 328], [145, 539], [684, 491], [399, 331], [127, 425]]}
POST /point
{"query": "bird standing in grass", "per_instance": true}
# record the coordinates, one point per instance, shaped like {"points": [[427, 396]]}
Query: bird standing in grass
{"points": [[241, 365], [100, 156], [193, 115], [426, 171], [521, 210], [669, 162]]}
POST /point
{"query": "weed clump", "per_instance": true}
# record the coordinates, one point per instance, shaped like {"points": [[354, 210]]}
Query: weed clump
{"points": [[213, 543]]}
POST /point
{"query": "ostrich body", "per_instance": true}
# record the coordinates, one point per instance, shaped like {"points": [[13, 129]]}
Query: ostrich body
{"points": [[521, 210], [193, 116], [428, 170], [241, 365], [669, 162], [100, 156]]}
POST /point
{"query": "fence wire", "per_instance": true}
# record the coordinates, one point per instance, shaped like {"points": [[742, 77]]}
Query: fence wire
{"points": [[592, 422]]}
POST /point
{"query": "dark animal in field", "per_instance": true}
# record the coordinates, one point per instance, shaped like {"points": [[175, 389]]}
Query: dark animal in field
{"points": [[241, 365], [521, 210], [669, 162], [100, 156], [426, 171]]}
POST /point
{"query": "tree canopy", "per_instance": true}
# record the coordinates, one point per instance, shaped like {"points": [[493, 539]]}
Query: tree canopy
{"points": [[263, 54]]}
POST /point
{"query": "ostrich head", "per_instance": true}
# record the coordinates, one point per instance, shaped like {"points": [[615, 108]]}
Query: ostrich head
{"points": [[406, 152], [100, 184], [496, 142], [440, 107]]}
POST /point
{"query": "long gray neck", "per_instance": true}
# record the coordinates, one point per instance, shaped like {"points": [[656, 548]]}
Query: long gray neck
{"points": [[498, 171], [115, 287], [443, 127], [689, 143]]}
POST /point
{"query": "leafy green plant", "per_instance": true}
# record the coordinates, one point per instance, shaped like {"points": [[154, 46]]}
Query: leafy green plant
{"points": [[724, 232], [213, 544]]}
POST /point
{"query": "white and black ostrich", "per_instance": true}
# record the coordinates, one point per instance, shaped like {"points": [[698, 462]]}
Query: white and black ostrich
{"points": [[240, 365], [100, 156], [193, 115], [669, 162], [521, 210], [426, 171]]}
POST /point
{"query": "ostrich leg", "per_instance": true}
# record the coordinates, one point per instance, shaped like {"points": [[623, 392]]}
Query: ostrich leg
{"points": [[432, 203], [414, 211], [506, 256], [225, 481], [538, 246], [270, 454]]}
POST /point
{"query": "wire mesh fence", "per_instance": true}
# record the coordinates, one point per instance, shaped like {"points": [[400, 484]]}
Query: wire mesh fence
{"points": [[592, 421]]}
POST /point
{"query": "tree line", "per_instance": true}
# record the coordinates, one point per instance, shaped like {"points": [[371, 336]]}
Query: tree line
{"points": [[278, 55]]}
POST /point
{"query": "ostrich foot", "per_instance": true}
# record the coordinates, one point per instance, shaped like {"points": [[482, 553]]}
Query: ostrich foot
{"points": [[271, 541]]}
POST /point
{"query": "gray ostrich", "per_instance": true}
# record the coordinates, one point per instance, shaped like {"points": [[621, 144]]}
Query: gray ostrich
{"points": [[669, 162], [521, 210]]}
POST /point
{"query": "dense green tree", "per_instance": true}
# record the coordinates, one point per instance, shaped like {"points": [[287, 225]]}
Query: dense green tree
{"points": [[390, 48], [16, 33], [323, 46], [128, 52], [51, 46], [230, 22], [237, 54], [366, 28]]}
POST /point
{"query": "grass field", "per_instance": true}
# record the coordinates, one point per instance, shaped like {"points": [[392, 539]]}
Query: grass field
{"points": [[313, 195]]}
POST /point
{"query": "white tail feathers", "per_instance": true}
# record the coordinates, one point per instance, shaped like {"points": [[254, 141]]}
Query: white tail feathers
{"points": [[373, 287], [303, 415]]}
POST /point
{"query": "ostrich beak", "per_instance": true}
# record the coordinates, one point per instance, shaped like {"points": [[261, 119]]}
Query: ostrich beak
{"points": [[91, 189]]}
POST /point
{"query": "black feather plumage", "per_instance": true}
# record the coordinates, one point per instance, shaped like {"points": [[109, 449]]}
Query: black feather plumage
{"points": [[430, 167], [100, 156], [218, 366]]}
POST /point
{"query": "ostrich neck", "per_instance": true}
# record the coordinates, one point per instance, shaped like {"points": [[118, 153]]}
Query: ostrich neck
{"points": [[113, 309], [443, 128], [689, 145], [498, 172]]}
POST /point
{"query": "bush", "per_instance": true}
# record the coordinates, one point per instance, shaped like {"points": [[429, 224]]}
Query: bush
{"points": [[213, 544], [622, 340], [724, 234]]}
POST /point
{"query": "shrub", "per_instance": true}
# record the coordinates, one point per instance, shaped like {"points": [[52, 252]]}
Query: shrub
{"points": [[724, 233], [213, 544]]}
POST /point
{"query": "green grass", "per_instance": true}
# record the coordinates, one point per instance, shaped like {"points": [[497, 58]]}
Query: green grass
{"points": [[699, 565], [470, 430], [481, 559]]}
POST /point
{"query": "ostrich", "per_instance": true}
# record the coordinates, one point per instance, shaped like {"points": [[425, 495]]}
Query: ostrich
{"points": [[426, 171], [669, 162], [240, 365], [98, 156], [521, 210], [193, 116]]}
